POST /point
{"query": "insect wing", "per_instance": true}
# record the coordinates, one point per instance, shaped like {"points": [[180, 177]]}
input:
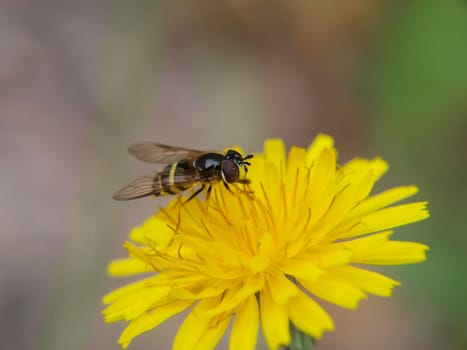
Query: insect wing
{"points": [[141, 187], [153, 184], [151, 152]]}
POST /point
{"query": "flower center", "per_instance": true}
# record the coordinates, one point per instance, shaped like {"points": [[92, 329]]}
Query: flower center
{"points": [[266, 253]]}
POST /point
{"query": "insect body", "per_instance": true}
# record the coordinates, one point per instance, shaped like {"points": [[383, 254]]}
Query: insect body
{"points": [[186, 168]]}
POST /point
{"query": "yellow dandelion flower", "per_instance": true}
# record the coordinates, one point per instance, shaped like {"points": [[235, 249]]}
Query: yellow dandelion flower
{"points": [[260, 260]]}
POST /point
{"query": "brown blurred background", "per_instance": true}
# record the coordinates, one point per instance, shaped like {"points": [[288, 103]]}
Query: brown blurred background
{"points": [[79, 81]]}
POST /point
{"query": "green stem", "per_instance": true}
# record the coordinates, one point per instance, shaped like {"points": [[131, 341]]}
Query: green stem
{"points": [[300, 340]]}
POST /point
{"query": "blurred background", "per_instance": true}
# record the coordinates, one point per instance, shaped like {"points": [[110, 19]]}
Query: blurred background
{"points": [[79, 81]]}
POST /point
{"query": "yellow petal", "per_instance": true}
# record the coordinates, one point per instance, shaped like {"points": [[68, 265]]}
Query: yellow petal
{"points": [[386, 218], [280, 287], [186, 294], [274, 321], [125, 290], [359, 165], [198, 328], [364, 243], [301, 268], [322, 173], [133, 305], [245, 329], [127, 267], [335, 290], [369, 281], [377, 249], [321, 187], [342, 203], [151, 320], [295, 187], [384, 199], [153, 231], [213, 333], [140, 253], [320, 143], [327, 255], [308, 316], [392, 253], [190, 331], [274, 151], [235, 294]]}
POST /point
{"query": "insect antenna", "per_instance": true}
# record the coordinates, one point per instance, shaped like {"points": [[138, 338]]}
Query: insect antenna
{"points": [[247, 157]]}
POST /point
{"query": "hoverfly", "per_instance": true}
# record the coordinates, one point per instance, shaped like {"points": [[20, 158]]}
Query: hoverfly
{"points": [[186, 168]]}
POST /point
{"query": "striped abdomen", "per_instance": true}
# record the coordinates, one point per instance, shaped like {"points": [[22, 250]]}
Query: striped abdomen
{"points": [[174, 178]]}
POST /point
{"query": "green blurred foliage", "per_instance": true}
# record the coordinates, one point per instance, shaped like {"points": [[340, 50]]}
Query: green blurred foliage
{"points": [[420, 98]]}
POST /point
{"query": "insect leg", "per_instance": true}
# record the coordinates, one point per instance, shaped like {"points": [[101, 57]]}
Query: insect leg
{"points": [[246, 188], [198, 191], [244, 181], [208, 194], [228, 187]]}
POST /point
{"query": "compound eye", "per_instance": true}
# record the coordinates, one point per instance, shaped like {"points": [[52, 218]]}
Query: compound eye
{"points": [[230, 171]]}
